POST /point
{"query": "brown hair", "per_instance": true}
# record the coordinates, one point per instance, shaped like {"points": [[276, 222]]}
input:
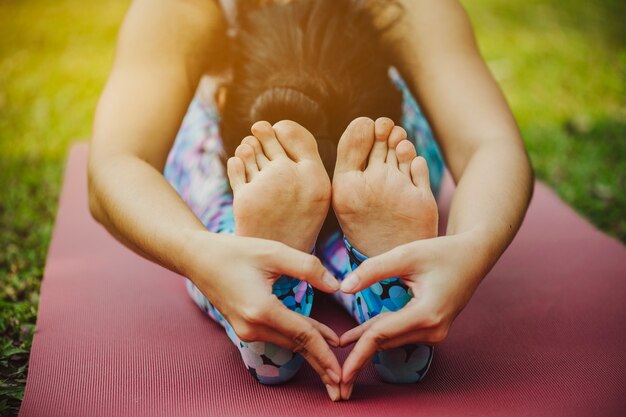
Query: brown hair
{"points": [[319, 63]]}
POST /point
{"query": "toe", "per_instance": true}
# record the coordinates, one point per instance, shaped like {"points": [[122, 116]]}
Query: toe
{"points": [[236, 172], [397, 134], [261, 159], [246, 154], [298, 142], [419, 172], [355, 145], [265, 134], [405, 152], [382, 129]]}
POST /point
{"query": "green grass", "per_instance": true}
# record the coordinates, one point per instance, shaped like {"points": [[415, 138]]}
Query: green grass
{"points": [[54, 58], [562, 66]]}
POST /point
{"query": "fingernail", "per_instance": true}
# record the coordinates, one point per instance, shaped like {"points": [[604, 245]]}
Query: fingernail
{"points": [[331, 281], [350, 282], [332, 343], [349, 392], [335, 378], [333, 392]]}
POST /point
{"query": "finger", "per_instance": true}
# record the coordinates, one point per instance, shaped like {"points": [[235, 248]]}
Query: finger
{"points": [[355, 333], [303, 266], [328, 333], [394, 263], [423, 334], [417, 337], [270, 335], [382, 335], [307, 341], [362, 352], [412, 324], [403, 327]]}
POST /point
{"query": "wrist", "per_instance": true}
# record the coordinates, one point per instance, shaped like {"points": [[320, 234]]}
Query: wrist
{"points": [[197, 245], [476, 251]]}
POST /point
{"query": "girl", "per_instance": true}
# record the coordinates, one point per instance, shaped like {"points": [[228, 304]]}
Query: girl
{"points": [[302, 75]]}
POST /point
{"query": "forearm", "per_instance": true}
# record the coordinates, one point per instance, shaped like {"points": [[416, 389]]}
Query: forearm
{"points": [[162, 52], [490, 200], [439, 58], [133, 201]]}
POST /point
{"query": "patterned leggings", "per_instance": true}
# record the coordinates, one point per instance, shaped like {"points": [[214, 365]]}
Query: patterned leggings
{"points": [[195, 169]]}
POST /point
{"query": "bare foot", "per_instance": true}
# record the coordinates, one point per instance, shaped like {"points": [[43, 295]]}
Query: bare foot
{"points": [[381, 191], [281, 189]]}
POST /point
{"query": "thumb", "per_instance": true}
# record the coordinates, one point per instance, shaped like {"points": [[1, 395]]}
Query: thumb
{"points": [[394, 263], [304, 266]]}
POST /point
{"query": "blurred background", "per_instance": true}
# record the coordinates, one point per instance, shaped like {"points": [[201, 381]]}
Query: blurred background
{"points": [[562, 66]]}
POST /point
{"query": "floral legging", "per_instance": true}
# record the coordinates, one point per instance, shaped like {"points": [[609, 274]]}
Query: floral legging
{"points": [[195, 169]]}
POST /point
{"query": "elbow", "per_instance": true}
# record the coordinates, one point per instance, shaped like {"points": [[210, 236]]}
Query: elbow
{"points": [[529, 172], [531, 180], [95, 207]]}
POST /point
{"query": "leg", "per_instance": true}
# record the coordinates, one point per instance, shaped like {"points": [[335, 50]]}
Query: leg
{"points": [[382, 199], [195, 170], [281, 192]]}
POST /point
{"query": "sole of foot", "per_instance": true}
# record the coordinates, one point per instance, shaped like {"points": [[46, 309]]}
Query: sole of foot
{"points": [[381, 191], [281, 189]]}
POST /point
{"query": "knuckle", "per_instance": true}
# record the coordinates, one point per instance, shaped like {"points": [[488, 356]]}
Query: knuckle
{"points": [[433, 320], [245, 333], [404, 251], [254, 314], [380, 340], [375, 267], [302, 339], [270, 251], [311, 264], [438, 335]]}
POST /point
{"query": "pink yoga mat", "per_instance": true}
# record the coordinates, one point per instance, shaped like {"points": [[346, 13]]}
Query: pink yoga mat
{"points": [[118, 336]]}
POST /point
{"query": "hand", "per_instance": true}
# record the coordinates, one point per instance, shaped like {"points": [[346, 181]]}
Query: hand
{"points": [[236, 274], [442, 272]]}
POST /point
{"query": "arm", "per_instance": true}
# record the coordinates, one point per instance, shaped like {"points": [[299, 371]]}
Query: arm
{"points": [[439, 59], [478, 135], [159, 60], [164, 47]]}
